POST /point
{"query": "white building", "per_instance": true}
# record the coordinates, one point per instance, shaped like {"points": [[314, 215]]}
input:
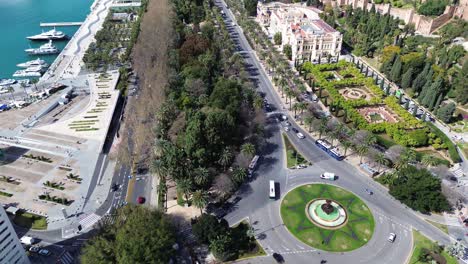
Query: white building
{"points": [[11, 250], [310, 37]]}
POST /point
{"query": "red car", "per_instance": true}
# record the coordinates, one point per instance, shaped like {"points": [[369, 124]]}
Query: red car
{"points": [[141, 200]]}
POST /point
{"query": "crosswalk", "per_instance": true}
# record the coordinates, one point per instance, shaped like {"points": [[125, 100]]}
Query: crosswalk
{"points": [[65, 258], [89, 221]]}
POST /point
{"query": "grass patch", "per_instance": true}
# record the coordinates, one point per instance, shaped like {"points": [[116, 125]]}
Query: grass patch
{"points": [[29, 220], [423, 248], [293, 157], [354, 234], [442, 227]]}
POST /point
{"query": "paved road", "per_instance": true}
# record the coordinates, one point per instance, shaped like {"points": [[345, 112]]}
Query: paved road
{"points": [[390, 215]]}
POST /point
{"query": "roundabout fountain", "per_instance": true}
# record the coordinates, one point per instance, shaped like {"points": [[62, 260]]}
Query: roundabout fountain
{"points": [[326, 213]]}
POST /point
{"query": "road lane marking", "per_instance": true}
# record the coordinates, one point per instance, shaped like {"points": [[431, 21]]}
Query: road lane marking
{"points": [[300, 246], [287, 249]]}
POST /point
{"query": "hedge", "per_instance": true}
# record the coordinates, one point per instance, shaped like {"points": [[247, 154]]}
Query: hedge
{"points": [[452, 149]]}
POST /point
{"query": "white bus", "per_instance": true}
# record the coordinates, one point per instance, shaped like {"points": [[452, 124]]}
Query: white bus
{"points": [[253, 164], [272, 190]]}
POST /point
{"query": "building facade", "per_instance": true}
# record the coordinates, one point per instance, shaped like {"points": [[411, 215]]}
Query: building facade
{"points": [[11, 250], [311, 39]]}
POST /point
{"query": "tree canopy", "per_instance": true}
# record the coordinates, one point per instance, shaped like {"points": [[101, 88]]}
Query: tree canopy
{"points": [[138, 235]]}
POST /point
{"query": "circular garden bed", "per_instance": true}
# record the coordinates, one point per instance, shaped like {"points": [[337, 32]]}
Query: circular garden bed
{"points": [[355, 232]]}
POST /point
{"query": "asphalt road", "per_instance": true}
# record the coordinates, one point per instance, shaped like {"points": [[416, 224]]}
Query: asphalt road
{"points": [[263, 213]]}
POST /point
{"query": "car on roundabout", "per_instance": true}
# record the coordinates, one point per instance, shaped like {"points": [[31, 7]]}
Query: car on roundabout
{"points": [[369, 191], [391, 237], [328, 176], [278, 258]]}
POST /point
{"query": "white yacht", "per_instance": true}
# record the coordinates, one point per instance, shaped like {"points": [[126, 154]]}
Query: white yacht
{"points": [[49, 35], [5, 82], [37, 62], [35, 71], [45, 49]]}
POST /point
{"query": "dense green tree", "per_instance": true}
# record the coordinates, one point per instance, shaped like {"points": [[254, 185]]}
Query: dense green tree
{"points": [[407, 78], [418, 189], [395, 73], [287, 50], [248, 149], [222, 247], [239, 174], [445, 113], [138, 235], [207, 227], [277, 38], [251, 7], [432, 7]]}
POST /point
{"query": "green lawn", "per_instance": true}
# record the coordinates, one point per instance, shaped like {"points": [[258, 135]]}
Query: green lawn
{"points": [[293, 157], [421, 242], [29, 220], [354, 234], [442, 227]]}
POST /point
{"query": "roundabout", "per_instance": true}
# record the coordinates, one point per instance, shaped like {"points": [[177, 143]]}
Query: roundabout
{"points": [[327, 217]]}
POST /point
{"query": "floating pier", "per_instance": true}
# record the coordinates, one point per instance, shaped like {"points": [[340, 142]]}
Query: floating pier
{"points": [[61, 24]]}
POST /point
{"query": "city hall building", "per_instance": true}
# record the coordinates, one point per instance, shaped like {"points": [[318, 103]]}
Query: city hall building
{"points": [[311, 39]]}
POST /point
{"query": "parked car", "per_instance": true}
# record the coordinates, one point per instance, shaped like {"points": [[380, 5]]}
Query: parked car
{"points": [[34, 249], [300, 135], [27, 240], [301, 166], [44, 252], [236, 200], [284, 117], [391, 237]]}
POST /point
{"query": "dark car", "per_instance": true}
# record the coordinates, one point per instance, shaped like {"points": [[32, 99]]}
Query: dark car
{"points": [[278, 258], [236, 200], [115, 187], [370, 192], [295, 130]]}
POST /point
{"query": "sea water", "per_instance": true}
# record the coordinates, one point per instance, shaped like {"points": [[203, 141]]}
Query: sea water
{"points": [[21, 18]]}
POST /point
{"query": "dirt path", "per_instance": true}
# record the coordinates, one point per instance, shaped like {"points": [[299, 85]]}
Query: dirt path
{"points": [[150, 63]]}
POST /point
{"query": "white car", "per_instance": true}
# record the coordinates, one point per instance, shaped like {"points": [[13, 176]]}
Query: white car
{"points": [[284, 117], [391, 237], [328, 176], [286, 129], [300, 135]]}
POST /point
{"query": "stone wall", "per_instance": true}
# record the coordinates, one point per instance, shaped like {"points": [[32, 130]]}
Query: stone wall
{"points": [[422, 24]]}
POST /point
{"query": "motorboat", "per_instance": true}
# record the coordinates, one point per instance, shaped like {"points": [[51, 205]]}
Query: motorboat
{"points": [[52, 34], [45, 49], [35, 71], [6, 82], [36, 62]]}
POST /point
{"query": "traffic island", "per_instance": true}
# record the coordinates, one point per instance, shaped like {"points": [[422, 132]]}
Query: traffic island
{"points": [[327, 217]]}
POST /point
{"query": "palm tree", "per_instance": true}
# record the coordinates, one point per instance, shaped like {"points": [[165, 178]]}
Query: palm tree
{"points": [[308, 120], [200, 199], [302, 106], [370, 139], [185, 186], [361, 150], [295, 108], [346, 145], [11, 90], [239, 174], [282, 83], [290, 93], [202, 176], [160, 168], [258, 102], [381, 160], [226, 157], [248, 149], [333, 135], [323, 127]]}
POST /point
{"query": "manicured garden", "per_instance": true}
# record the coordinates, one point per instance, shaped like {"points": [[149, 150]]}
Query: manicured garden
{"points": [[293, 157], [407, 131], [355, 233], [29, 220], [426, 251]]}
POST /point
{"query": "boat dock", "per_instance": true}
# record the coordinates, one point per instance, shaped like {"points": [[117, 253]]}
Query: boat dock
{"points": [[61, 24]]}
